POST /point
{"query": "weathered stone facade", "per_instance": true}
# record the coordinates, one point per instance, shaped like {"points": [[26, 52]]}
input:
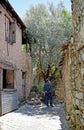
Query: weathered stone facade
{"points": [[59, 91], [73, 68], [15, 65]]}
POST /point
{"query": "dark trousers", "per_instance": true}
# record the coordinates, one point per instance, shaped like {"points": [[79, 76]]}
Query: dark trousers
{"points": [[48, 99]]}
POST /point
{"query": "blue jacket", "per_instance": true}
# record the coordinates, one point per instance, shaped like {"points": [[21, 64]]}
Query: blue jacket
{"points": [[48, 87]]}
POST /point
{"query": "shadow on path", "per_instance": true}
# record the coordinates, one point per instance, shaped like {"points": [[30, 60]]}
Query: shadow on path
{"points": [[55, 113]]}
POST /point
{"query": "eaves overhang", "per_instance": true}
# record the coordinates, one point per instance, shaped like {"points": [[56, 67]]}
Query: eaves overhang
{"points": [[9, 7]]}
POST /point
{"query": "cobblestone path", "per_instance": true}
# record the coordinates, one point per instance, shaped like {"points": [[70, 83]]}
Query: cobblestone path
{"points": [[30, 117]]}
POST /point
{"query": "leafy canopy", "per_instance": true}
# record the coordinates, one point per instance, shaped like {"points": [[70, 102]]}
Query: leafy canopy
{"points": [[50, 27]]}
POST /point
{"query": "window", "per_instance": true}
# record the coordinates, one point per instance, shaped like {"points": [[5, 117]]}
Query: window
{"points": [[23, 75], [8, 79], [10, 31]]}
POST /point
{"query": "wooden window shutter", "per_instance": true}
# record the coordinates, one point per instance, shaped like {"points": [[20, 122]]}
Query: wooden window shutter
{"points": [[13, 32], [6, 29], [10, 32]]}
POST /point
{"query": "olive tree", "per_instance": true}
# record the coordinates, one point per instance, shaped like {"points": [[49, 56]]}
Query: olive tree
{"points": [[51, 27]]}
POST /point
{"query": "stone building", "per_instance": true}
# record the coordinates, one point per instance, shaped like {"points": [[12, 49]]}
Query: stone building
{"points": [[72, 63], [15, 65]]}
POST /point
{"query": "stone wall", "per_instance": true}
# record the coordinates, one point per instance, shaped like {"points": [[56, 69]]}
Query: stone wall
{"points": [[66, 70], [11, 55], [27, 67], [59, 91], [77, 84], [77, 64], [73, 68]]}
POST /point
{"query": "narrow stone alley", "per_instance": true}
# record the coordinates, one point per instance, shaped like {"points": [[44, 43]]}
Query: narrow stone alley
{"points": [[35, 117]]}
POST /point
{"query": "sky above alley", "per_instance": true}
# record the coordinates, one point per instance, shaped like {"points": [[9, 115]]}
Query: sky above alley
{"points": [[21, 6]]}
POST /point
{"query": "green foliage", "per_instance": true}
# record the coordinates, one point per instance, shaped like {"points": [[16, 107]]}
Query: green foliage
{"points": [[40, 88], [50, 27], [24, 48]]}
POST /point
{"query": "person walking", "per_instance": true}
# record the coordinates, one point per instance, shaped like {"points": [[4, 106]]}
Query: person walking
{"points": [[48, 91]]}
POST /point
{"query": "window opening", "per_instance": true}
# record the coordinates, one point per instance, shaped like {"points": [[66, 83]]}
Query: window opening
{"points": [[10, 31], [8, 79]]}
